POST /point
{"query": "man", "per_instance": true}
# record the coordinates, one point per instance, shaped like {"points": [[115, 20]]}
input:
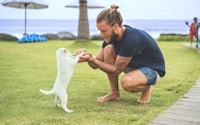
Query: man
{"points": [[193, 29], [129, 50]]}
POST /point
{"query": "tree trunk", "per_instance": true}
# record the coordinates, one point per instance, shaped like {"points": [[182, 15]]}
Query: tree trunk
{"points": [[83, 26]]}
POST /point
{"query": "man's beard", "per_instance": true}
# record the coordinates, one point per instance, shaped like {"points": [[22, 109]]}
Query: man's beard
{"points": [[113, 38]]}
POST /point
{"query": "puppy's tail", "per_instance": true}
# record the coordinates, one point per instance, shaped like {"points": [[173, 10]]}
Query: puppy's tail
{"points": [[47, 92]]}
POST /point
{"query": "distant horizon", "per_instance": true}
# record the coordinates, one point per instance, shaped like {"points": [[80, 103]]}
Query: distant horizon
{"points": [[41, 26], [94, 19]]}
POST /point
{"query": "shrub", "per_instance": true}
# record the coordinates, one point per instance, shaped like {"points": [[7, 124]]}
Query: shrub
{"points": [[174, 37]]}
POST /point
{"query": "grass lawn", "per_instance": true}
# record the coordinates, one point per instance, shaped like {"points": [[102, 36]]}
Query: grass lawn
{"points": [[25, 68]]}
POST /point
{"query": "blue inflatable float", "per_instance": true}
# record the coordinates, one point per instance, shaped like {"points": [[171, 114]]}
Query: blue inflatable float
{"points": [[32, 38]]}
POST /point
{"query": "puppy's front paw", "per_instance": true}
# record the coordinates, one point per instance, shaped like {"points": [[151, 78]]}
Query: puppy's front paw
{"points": [[81, 54]]}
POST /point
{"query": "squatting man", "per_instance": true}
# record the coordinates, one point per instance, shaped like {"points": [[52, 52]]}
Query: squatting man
{"points": [[129, 50]]}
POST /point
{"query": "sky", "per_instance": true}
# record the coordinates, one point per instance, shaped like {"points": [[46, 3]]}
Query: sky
{"points": [[130, 9]]}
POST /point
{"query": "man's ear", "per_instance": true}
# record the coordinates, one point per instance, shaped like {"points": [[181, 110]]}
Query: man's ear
{"points": [[115, 27]]}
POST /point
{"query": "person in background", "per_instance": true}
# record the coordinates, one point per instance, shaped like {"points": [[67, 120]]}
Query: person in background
{"points": [[192, 29], [129, 50]]}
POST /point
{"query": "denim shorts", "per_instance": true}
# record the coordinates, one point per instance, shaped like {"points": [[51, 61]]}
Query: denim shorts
{"points": [[152, 75]]}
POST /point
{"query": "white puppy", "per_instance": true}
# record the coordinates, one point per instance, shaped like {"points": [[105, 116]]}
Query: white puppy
{"points": [[65, 65]]}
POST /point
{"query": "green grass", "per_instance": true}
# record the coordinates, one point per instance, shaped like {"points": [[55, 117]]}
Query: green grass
{"points": [[25, 68]]}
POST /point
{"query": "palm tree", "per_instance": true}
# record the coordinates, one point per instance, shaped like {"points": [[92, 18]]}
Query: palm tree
{"points": [[83, 26]]}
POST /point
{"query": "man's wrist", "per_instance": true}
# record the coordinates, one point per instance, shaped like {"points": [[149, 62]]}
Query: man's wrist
{"points": [[92, 60], [90, 54]]}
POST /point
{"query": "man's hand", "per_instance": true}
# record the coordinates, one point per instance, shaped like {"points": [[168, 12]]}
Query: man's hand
{"points": [[80, 51], [85, 57]]}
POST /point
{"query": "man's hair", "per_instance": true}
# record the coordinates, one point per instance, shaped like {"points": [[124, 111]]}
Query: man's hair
{"points": [[111, 16], [195, 18]]}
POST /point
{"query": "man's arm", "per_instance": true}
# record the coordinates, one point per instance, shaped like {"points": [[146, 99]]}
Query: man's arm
{"points": [[98, 57], [120, 64]]}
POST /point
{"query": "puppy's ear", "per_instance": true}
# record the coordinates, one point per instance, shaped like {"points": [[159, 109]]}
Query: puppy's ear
{"points": [[65, 51]]}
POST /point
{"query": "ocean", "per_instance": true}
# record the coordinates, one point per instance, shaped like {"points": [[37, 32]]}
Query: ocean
{"points": [[153, 27]]}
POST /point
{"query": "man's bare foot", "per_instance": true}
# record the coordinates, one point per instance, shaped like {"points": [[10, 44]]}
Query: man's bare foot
{"points": [[145, 96], [113, 95]]}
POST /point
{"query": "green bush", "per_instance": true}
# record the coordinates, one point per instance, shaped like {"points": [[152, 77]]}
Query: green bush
{"points": [[174, 37]]}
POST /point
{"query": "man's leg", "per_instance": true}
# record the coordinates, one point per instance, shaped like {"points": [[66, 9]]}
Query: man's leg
{"points": [[110, 57], [136, 81], [191, 38]]}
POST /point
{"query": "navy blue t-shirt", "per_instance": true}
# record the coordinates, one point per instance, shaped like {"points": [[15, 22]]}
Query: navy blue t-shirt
{"points": [[142, 48]]}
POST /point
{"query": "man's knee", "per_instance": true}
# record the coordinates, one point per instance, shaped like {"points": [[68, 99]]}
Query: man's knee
{"points": [[132, 81], [126, 83], [109, 49], [109, 54]]}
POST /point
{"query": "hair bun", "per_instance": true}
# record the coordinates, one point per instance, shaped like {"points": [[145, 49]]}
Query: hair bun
{"points": [[114, 7]]}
